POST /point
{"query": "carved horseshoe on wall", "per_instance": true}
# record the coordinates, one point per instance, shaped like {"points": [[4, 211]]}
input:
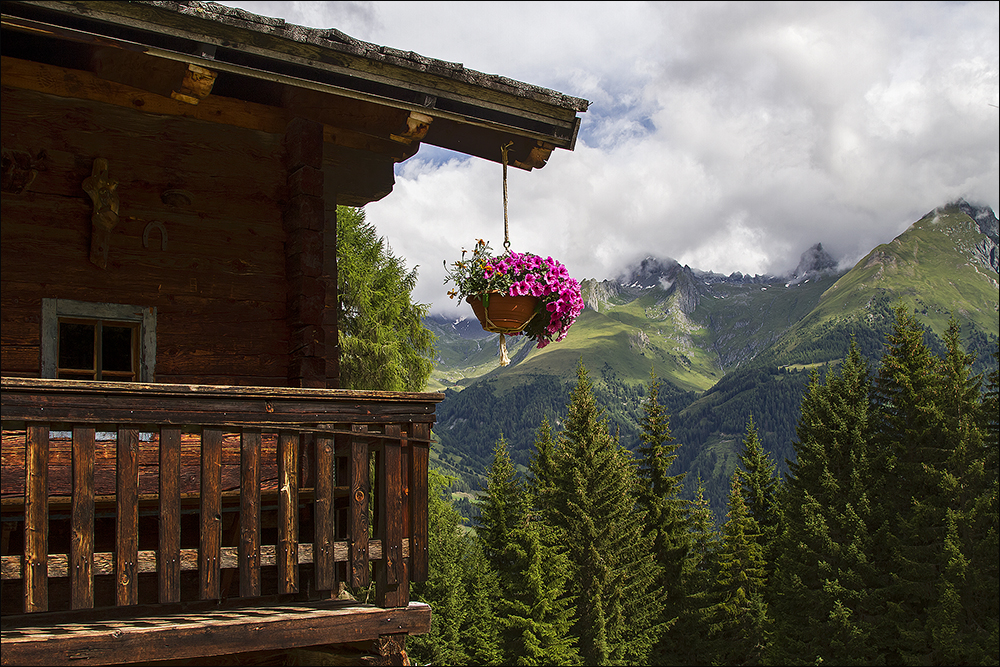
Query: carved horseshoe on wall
{"points": [[163, 234]]}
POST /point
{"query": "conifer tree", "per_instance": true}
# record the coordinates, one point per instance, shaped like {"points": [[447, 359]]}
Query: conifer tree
{"points": [[923, 448], [481, 627], [686, 641], [823, 571], [502, 507], [536, 610], [593, 503], [666, 517], [384, 343], [445, 589], [759, 487], [543, 473], [739, 624]]}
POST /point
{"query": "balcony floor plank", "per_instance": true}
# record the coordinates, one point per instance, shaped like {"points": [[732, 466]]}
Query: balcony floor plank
{"points": [[187, 635]]}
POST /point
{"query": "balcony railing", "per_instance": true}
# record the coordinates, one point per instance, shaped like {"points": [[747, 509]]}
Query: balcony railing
{"points": [[121, 494]]}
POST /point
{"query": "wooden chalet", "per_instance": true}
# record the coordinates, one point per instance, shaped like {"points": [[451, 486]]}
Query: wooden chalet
{"points": [[182, 476]]}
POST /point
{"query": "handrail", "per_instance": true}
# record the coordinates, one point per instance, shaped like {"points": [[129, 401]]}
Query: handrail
{"points": [[328, 438]]}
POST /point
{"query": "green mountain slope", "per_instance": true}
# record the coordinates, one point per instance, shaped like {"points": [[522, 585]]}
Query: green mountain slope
{"points": [[726, 347]]}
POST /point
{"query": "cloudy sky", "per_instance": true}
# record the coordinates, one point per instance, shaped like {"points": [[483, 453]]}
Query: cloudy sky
{"points": [[728, 136]]}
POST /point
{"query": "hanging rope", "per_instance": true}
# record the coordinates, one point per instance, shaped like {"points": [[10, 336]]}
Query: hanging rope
{"points": [[506, 226]]}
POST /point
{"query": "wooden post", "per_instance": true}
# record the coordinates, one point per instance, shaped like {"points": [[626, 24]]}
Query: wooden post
{"points": [[81, 547], [210, 539], [323, 546], [168, 557], [127, 518], [391, 585], [304, 224], [249, 548], [420, 454], [359, 507], [36, 519], [288, 513]]}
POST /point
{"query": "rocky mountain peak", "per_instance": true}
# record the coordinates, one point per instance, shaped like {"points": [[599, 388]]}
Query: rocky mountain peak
{"points": [[987, 250], [813, 262]]}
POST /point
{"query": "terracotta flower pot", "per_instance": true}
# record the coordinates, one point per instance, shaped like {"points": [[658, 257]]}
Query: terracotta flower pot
{"points": [[504, 314]]}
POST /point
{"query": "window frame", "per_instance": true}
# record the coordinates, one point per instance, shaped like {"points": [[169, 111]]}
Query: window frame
{"points": [[144, 316]]}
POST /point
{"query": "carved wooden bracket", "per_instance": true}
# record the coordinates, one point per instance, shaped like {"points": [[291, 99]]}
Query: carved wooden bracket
{"points": [[537, 158], [417, 125], [102, 191], [196, 86]]}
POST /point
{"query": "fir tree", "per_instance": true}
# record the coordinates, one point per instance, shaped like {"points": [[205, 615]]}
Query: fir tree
{"points": [[536, 611], [502, 507], [824, 570], [687, 642], [759, 487], [593, 504], [739, 624], [543, 473], [926, 451], [445, 589], [666, 519]]}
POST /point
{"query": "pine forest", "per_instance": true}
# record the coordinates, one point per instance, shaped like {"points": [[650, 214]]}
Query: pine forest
{"points": [[875, 543]]}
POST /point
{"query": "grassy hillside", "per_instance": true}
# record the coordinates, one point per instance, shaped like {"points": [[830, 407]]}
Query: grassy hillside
{"points": [[725, 348]]}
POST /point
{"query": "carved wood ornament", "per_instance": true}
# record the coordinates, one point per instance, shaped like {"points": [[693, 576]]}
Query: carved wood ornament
{"points": [[102, 191]]}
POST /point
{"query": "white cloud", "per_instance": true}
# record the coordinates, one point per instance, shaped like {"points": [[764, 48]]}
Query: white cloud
{"points": [[729, 136]]}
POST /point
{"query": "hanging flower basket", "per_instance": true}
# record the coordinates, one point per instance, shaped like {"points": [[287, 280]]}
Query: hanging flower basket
{"points": [[503, 314], [546, 300]]}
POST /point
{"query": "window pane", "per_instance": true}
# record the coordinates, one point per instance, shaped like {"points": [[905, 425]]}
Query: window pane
{"points": [[76, 345], [116, 348]]}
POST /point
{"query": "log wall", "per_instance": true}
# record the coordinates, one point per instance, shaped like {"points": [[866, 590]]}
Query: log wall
{"points": [[200, 235]]}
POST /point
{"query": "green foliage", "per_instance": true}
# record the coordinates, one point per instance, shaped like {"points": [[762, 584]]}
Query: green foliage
{"points": [[460, 588], [592, 484], [383, 341], [738, 621], [824, 572], [536, 611], [502, 507]]}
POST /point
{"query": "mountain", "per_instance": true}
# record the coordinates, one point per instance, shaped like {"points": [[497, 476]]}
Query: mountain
{"points": [[725, 346]]}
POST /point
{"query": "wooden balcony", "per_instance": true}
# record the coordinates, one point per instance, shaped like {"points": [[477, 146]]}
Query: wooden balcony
{"points": [[147, 521]]}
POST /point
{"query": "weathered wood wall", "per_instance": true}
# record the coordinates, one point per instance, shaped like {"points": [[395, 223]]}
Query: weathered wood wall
{"points": [[217, 278]]}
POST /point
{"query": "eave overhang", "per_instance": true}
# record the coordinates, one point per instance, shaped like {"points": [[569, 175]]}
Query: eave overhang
{"points": [[439, 103]]}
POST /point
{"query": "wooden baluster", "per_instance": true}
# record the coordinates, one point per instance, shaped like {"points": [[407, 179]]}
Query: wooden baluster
{"points": [[288, 513], [359, 507], [210, 538], [36, 519], [420, 453], [390, 572], [323, 519], [250, 443], [169, 554], [127, 518], [81, 546]]}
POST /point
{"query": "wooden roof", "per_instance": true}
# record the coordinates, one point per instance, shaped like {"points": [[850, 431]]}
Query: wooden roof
{"points": [[369, 97]]}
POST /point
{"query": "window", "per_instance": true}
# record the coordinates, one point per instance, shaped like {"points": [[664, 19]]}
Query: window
{"points": [[98, 341], [97, 350]]}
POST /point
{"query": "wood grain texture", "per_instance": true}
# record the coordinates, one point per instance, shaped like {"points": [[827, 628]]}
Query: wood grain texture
{"points": [[127, 518], [250, 513], [36, 519], [359, 507], [288, 513], [210, 536], [82, 521], [168, 554], [323, 515], [199, 635], [419, 553]]}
